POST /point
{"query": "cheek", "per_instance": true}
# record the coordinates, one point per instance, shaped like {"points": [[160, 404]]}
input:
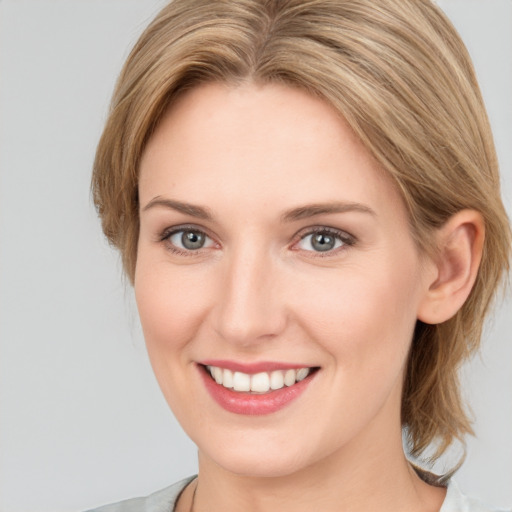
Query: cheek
{"points": [[171, 304], [171, 307], [364, 317]]}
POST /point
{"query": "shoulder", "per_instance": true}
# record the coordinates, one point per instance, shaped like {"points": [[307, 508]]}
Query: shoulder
{"points": [[455, 501], [160, 501]]}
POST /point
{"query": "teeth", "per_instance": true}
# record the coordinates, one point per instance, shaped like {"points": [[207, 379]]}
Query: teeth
{"points": [[227, 378], [289, 377], [217, 374], [241, 381], [276, 380], [302, 374], [259, 382]]}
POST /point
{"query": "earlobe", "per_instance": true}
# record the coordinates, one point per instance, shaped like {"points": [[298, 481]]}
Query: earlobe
{"points": [[460, 243]]}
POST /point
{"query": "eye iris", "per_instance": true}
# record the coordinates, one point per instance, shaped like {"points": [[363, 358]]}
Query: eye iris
{"points": [[323, 242], [192, 240]]}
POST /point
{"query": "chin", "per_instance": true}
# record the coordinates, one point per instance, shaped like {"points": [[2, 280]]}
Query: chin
{"points": [[260, 467], [271, 461]]}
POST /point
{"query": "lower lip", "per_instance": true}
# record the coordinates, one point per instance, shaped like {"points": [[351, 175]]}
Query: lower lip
{"points": [[253, 404]]}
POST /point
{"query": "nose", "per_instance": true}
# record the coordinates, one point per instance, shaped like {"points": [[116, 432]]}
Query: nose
{"points": [[251, 305]]}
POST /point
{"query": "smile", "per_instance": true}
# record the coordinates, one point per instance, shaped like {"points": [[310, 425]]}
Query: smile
{"points": [[263, 388], [262, 382]]}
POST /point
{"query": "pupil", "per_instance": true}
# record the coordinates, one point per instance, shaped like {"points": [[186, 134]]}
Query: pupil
{"points": [[192, 240], [323, 242]]}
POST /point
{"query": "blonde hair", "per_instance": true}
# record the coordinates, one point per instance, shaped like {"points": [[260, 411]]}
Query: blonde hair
{"points": [[400, 75]]}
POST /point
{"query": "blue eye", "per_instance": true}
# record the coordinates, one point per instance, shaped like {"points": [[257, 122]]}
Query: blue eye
{"points": [[324, 240], [189, 239]]}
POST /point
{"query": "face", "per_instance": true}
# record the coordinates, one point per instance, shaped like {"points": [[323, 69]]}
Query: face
{"points": [[274, 255]]}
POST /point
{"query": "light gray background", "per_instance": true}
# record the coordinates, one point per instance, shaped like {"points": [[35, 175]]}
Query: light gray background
{"points": [[82, 420]]}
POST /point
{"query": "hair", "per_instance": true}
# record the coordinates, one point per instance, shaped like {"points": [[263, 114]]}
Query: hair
{"points": [[400, 75]]}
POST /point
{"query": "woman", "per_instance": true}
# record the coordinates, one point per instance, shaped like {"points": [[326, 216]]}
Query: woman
{"points": [[306, 199]]}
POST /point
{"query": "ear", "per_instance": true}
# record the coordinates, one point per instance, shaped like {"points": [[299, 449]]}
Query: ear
{"points": [[460, 243]]}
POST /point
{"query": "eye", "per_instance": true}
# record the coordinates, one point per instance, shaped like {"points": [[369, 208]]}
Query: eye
{"points": [[324, 240], [188, 240]]}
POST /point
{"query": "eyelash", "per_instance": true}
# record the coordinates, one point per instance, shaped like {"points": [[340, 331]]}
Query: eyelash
{"points": [[165, 237], [347, 240]]}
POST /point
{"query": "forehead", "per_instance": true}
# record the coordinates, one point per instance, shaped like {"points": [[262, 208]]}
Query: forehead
{"points": [[272, 142]]}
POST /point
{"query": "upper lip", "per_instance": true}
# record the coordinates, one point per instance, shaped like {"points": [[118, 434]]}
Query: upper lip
{"points": [[252, 368]]}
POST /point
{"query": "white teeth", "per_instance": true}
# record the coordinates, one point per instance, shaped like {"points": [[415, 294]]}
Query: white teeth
{"points": [[241, 381], [217, 374], [302, 374], [276, 380], [289, 377], [227, 378], [261, 382]]}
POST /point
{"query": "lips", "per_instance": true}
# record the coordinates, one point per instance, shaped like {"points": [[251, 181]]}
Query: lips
{"points": [[249, 389]]}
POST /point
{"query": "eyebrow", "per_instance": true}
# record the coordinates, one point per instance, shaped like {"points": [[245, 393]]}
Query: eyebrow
{"points": [[301, 212], [186, 208], [310, 210]]}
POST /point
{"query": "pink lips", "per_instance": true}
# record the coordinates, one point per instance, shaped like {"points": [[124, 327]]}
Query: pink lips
{"points": [[247, 403]]}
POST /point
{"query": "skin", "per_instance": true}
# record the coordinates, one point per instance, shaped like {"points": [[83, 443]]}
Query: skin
{"points": [[258, 291]]}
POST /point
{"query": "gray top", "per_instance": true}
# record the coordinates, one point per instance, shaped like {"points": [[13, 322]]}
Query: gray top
{"points": [[160, 501], [165, 499]]}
